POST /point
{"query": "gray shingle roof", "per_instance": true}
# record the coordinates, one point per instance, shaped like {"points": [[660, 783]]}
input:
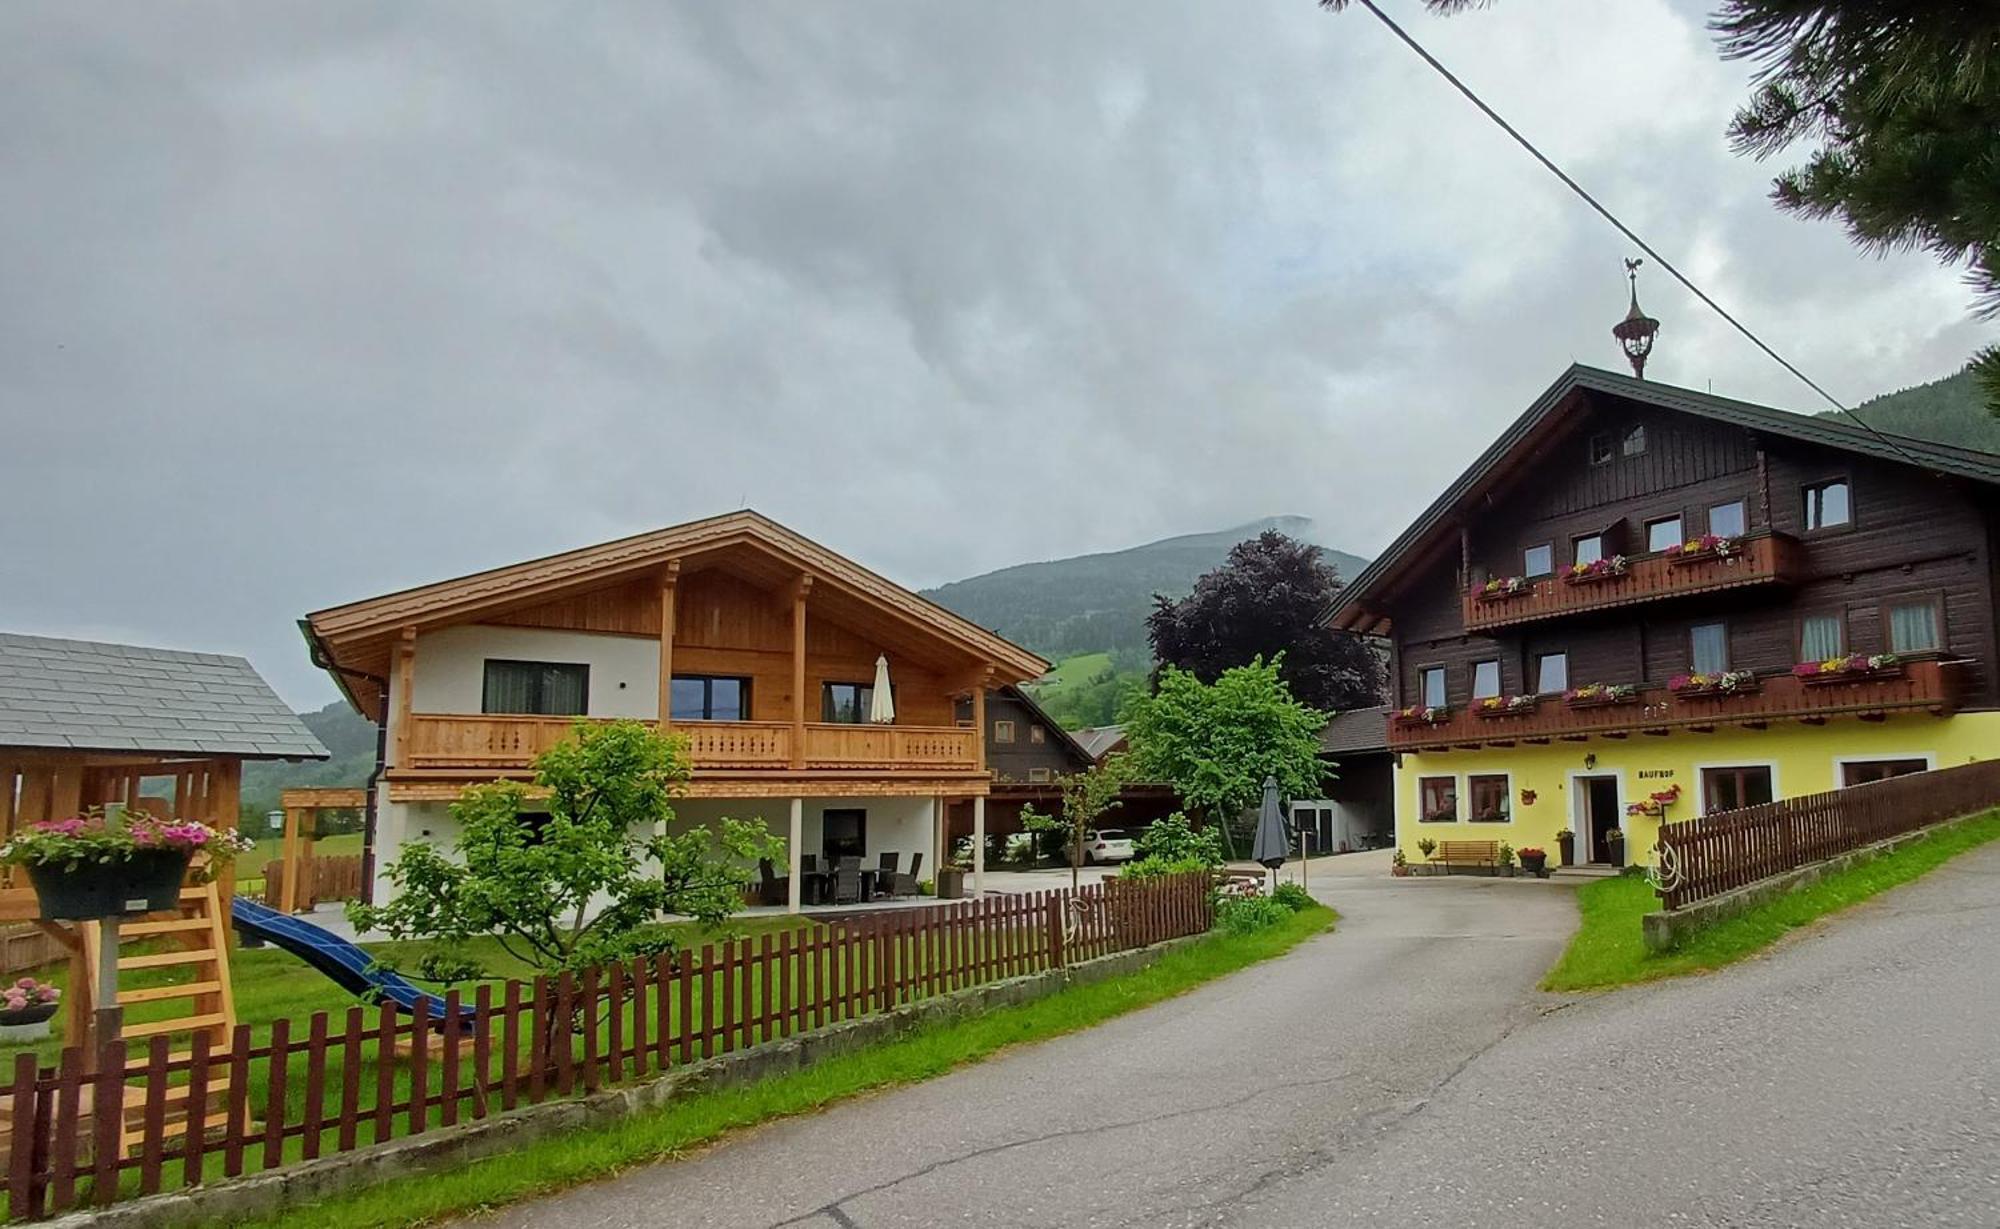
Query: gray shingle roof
{"points": [[86, 696], [1357, 729]]}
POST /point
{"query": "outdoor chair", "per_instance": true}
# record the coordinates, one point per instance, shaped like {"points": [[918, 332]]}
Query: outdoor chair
{"points": [[847, 882], [775, 889], [888, 862], [906, 884]]}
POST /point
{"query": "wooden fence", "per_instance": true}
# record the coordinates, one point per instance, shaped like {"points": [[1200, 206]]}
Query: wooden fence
{"points": [[93, 1132], [1712, 854], [321, 878], [24, 949]]}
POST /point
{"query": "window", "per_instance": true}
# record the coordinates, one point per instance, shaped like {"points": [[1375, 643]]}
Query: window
{"points": [[1828, 505], [552, 689], [1590, 549], [1913, 627], [1037, 734], [1635, 441], [1437, 800], [704, 697], [1708, 648], [1821, 636], [1038, 774], [845, 703], [1663, 533], [843, 834], [1003, 731], [1725, 789], [1600, 450], [1489, 798], [1431, 682], [1860, 772], [1539, 560], [1552, 673], [1485, 679], [1728, 520]]}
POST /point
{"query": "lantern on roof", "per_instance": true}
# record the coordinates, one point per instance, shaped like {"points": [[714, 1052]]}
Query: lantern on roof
{"points": [[1635, 332]]}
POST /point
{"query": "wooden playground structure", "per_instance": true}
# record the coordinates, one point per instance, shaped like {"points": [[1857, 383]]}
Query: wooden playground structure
{"points": [[303, 878]]}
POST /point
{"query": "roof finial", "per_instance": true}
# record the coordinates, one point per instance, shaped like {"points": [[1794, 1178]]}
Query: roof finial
{"points": [[1635, 332]]}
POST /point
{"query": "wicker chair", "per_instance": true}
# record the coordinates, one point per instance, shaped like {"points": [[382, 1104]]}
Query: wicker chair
{"points": [[847, 882], [906, 884]]}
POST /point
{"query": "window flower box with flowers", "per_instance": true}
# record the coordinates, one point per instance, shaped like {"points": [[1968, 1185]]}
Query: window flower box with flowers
{"points": [[1504, 706], [1656, 803], [1500, 588], [1851, 668], [1704, 549], [1601, 695], [1720, 684], [1423, 715], [99, 865], [1601, 569]]}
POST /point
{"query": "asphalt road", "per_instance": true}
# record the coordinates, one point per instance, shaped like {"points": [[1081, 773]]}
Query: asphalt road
{"points": [[1404, 1072]]}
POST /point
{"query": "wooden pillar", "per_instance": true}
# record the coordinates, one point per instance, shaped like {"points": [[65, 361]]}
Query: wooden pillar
{"points": [[799, 591], [9, 782], [794, 887], [669, 582], [183, 793], [288, 888], [979, 843], [1763, 487], [224, 805], [940, 833], [405, 684], [66, 793], [979, 726], [34, 804]]}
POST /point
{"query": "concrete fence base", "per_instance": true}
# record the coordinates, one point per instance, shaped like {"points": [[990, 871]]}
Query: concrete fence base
{"points": [[259, 1196], [1664, 931]]}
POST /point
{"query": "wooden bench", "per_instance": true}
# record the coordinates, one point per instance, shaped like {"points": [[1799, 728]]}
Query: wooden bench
{"points": [[1466, 853]]}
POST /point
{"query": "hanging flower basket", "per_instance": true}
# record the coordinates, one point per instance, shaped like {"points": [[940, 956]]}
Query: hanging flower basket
{"points": [[97, 866], [26, 1007]]}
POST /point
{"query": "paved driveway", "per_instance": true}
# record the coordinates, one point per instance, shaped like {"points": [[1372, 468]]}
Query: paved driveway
{"points": [[1402, 1072]]}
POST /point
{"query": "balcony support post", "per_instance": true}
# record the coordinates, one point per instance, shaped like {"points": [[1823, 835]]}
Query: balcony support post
{"points": [[406, 671], [800, 588], [979, 842], [793, 844], [669, 582]]}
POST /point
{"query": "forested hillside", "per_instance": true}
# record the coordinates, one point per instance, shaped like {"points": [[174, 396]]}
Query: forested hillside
{"points": [[1950, 411], [346, 734]]}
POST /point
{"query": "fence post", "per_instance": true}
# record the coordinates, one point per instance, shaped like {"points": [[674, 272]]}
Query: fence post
{"points": [[1058, 959]]}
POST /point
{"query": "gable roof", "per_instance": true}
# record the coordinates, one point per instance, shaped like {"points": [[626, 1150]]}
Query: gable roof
{"points": [[1063, 736], [1550, 410], [79, 695], [334, 631], [1098, 741]]}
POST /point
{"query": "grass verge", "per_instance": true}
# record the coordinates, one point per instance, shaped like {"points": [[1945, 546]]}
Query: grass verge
{"points": [[1608, 950], [554, 1164]]}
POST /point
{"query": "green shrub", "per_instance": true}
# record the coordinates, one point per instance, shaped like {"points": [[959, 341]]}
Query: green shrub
{"points": [[1174, 839], [1154, 867], [1241, 915], [1293, 897]]}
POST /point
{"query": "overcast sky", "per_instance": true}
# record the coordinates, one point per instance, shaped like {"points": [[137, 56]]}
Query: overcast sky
{"points": [[300, 303]]}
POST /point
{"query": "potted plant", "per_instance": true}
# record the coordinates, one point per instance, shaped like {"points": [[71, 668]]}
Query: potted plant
{"points": [[1506, 859], [1399, 865], [26, 1007], [1614, 840], [1566, 846], [1535, 861], [99, 865], [951, 882]]}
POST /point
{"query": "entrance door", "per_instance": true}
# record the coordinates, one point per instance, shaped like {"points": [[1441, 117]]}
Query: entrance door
{"points": [[1600, 816]]}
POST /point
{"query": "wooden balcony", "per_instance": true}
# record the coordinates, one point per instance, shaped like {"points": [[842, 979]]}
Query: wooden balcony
{"points": [[503, 744], [1920, 687], [1766, 559]]}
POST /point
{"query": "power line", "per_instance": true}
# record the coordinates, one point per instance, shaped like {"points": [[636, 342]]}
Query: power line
{"points": [[1623, 229]]}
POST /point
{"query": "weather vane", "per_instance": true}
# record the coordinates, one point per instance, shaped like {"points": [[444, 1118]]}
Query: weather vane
{"points": [[1635, 332]]}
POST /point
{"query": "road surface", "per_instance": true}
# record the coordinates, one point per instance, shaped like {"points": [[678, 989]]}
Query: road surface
{"points": [[1403, 1071]]}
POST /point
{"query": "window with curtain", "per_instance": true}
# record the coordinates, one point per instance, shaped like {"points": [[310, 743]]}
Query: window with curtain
{"points": [[1913, 628], [1003, 731], [1663, 533], [554, 689], [845, 703], [1828, 504], [1728, 520], [1590, 549], [1708, 647], [1489, 798], [1539, 560], [1820, 637], [1552, 673], [706, 697], [1437, 800], [1431, 680], [1725, 789], [1485, 679]]}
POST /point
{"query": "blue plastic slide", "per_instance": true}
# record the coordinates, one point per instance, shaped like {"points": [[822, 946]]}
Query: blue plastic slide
{"points": [[351, 967]]}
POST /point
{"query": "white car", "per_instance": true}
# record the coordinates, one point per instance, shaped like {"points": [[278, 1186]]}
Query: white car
{"points": [[1106, 845]]}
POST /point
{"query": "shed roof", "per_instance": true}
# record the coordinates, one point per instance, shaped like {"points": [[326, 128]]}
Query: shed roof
{"points": [[82, 695], [1356, 730]]}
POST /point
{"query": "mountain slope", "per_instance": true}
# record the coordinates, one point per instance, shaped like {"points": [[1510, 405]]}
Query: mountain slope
{"points": [[1948, 411], [1098, 603], [349, 736]]}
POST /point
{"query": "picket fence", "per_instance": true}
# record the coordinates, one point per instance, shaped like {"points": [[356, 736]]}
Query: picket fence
{"points": [[95, 1129]]}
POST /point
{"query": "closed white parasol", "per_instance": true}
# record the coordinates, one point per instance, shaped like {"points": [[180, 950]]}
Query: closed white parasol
{"points": [[882, 703]]}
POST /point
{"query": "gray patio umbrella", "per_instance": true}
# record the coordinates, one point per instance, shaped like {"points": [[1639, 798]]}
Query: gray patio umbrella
{"points": [[1274, 840]]}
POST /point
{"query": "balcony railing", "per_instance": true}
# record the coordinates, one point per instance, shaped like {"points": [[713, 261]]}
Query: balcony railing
{"points": [[504, 742], [1919, 686], [1766, 559]]}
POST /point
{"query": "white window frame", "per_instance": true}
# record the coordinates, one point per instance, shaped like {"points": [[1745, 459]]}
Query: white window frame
{"points": [[1465, 797], [1701, 785], [1840, 762]]}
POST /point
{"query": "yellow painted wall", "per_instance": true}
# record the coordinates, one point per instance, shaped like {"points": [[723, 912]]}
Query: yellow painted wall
{"points": [[1803, 760]]}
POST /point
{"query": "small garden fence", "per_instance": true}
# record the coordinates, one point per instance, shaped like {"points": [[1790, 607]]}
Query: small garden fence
{"points": [[91, 1133], [1712, 854], [321, 878]]}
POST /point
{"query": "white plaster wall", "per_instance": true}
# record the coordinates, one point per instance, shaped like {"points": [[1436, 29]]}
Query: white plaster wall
{"points": [[901, 825], [450, 674]]}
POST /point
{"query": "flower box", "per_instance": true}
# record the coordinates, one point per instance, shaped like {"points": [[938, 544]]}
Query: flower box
{"points": [[1504, 706], [1422, 715], [1705, 549], [1501, 588], [147, 882], [1713, 686], [1590, 573], [1853, 668], [1601, 695], [103, 864], [26, 1007]]}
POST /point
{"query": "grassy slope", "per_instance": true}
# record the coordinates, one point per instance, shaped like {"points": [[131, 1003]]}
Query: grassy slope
{"points": [[667, 1133], [1608, 950], [1069, 672]]}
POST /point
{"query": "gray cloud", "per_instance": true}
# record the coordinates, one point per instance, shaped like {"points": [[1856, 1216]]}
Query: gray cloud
{"points": [[307, 302]]}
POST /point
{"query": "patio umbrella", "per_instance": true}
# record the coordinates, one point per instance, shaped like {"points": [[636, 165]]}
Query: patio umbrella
{"points": [[1273, 841], [882, 701]]}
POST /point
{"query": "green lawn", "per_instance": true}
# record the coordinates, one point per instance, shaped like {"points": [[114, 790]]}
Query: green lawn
{"points": [[1608, 949], [666, 1133]]}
